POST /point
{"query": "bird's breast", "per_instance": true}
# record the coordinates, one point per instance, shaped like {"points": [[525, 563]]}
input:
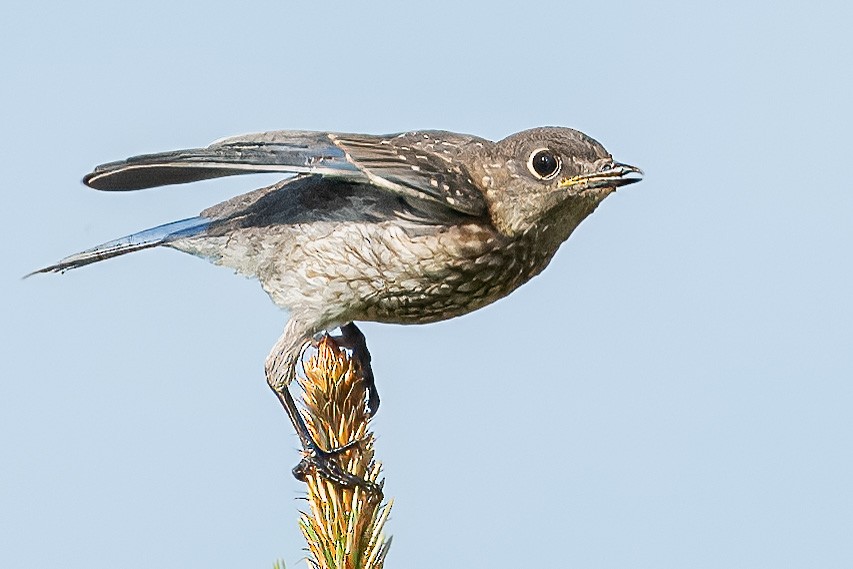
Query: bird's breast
{"points": [[439, 275]]}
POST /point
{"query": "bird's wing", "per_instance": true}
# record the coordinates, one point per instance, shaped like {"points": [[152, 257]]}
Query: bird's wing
{"points": [[278, 151], [423, 165]]}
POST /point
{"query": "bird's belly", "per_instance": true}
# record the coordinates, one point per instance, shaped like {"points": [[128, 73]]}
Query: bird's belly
{"points": [[333, 273]]}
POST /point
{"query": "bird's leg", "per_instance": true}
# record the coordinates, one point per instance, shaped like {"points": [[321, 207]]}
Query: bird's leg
{"points": [[353, 339], [280, 370]]}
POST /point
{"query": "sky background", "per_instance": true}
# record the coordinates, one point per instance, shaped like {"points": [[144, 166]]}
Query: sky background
{"points": [[673, 391]]}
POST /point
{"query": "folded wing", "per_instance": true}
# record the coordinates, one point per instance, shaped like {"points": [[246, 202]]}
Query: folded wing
{"points": [[426, 164]]}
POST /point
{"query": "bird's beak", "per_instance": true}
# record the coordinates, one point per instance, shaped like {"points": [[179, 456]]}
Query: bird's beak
{"points": [[613, 175]]}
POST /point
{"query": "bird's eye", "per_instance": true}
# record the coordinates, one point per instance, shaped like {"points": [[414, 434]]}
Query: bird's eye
{"points": [[543, 164]]}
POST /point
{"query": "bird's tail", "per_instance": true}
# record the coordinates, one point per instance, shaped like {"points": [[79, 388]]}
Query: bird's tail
{"points": [[153, 237]]}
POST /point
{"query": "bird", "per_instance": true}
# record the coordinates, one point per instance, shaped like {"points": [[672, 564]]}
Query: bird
{"points": [[408, 228]]}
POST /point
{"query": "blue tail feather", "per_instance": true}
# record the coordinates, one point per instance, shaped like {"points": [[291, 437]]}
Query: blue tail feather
{"points": [[143, 240]]}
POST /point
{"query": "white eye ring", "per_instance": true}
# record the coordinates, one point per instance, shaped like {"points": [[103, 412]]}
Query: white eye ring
{"points": [[544, 164]]}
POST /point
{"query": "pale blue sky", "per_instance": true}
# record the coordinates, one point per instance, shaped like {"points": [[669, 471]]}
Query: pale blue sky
{"points": [[674, 391]]}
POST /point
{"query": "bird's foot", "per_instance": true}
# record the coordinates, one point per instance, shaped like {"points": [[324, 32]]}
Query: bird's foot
{"points": [[324, 463], [353, 339], [280, 369]]}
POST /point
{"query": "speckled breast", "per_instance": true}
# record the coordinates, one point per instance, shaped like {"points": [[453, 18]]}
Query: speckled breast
{"points": [[461, 269]]}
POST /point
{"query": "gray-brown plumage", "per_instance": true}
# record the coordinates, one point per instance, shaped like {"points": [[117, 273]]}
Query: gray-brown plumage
{"points": [[408, 228]]}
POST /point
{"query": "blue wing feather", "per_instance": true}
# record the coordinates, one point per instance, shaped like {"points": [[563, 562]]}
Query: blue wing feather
{"points": [[153, 237]]}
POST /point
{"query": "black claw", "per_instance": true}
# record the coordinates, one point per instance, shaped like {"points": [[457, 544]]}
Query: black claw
{"points": [[325, 464], [354, 339]]}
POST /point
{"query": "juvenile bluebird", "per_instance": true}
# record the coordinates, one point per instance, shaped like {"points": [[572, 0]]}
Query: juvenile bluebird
{"points": [[407, 228]]}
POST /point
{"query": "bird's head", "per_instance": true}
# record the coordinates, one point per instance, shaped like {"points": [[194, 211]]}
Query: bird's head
{"points": [[549, 175]]}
